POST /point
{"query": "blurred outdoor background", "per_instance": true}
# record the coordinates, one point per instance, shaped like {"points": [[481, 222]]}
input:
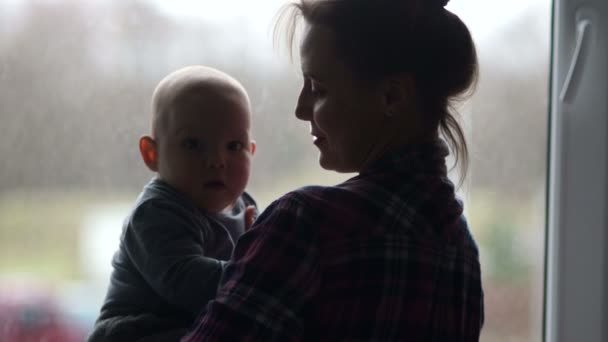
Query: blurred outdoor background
{"points": [[76, 78]]}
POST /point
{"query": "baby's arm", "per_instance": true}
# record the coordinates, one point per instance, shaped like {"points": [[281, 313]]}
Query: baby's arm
{"points": [[164, 248]]}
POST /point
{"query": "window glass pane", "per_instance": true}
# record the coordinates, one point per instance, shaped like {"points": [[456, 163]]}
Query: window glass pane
{"points": [[507, 121], [75, 85]]}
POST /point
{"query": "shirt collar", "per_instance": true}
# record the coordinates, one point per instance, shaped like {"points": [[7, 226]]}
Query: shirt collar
{"points": [[423, 158]]}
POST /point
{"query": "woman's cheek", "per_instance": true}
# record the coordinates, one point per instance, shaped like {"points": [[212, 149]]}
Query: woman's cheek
{"points": [[322, 115]]}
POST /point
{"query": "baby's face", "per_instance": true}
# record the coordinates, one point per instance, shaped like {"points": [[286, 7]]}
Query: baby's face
{"points": [[205, 151]]}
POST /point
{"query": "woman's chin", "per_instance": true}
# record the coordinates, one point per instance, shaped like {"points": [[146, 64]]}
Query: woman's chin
{"points": [[326, 163], [331, 164]]}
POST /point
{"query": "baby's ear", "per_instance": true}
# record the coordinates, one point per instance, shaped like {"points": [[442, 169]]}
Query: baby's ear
{"points": [[149, 153], [252, 147]]}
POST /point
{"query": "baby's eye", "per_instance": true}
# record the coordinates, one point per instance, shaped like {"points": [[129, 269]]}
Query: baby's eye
{"points": [[191, 144], [235, 146]]}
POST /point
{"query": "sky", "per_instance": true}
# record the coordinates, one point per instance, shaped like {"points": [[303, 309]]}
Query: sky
{"points": [[482, 16], [255, 18], [485, 11], [221, 10]]}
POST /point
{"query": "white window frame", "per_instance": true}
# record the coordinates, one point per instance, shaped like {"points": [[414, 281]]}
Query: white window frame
{"points": [[576, 305]]}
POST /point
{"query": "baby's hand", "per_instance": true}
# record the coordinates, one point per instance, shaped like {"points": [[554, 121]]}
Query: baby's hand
{"points": [[250, 216]]}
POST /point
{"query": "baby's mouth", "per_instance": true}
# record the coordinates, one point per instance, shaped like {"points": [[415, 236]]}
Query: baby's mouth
{"points": [[215, 184]]}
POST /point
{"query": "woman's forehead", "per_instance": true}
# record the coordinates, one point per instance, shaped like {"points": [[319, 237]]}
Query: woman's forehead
{"points": [[317, 51]]}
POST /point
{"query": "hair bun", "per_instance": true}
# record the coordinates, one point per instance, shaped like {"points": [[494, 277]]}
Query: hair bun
{"points": [[437, 4], [431, 5]]}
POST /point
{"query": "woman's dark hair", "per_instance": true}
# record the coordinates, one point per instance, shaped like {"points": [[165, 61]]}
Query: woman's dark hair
{"points": [[380, 38]]}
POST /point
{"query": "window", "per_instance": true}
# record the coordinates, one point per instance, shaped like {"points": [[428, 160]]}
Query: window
{"points": [[577, 283], [75, 84]]}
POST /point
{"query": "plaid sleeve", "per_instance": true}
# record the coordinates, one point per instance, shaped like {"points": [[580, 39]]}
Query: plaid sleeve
{"points": [[272, 278]]}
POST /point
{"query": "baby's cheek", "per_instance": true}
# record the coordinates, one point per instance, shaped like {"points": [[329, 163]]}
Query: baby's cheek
{"points": [[240, 174]]}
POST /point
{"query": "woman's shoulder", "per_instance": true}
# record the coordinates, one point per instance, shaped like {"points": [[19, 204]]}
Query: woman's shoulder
{"points": [[306, 199], [315, 202], [303, 196], [313, 195]]}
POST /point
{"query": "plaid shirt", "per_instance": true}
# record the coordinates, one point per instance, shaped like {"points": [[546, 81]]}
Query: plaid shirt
{"points": [[384, 256]]}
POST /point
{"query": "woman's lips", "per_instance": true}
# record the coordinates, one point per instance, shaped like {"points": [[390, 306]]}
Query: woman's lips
{"points": [[318, 140]]}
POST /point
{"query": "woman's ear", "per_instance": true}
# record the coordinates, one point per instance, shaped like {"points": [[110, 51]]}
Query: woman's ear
{"points": [[400, 93], [252, 147], [149, 152]]}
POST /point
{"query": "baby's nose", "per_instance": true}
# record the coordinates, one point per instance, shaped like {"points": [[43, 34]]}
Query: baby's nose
{"points": [[215, 161]]}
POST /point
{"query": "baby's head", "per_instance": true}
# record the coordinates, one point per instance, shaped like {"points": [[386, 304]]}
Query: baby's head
{"points": [[199, 141]]}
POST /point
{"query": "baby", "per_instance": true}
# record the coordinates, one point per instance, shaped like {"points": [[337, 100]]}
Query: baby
{"points": [[187, 219]]}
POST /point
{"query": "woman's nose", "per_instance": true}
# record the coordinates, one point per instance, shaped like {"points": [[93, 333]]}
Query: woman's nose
{"points": [[304, 105]]}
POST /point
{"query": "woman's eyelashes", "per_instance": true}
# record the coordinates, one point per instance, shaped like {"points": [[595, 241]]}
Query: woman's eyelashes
{"points": [[313, 88]]}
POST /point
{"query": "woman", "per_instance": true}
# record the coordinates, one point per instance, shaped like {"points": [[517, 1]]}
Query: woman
{"points": [[386, 255]]}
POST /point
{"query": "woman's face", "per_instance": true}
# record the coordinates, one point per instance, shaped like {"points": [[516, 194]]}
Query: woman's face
{"points": [[347, 116]]}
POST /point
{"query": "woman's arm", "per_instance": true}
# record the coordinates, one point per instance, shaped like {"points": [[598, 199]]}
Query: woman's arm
{"points": [[271, 281]]}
